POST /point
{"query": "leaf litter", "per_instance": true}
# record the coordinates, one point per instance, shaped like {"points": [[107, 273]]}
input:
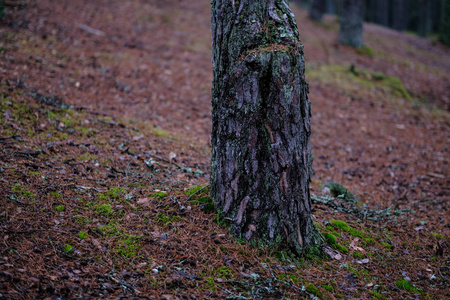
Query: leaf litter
{"points": [[107, 134]]}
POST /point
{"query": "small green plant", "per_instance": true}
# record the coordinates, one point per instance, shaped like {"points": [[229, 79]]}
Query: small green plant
{"points": [[159, 195], [68, 249], [224, 272], [165, 220], [357, 255], [327, 287], [377, 295], [82, 235], [60, 208], [80, 219], [365, 50], [341, 225], [407, 286], [311, 288], [21, 192], [129, 247], [56, 195], [104, 209], [330, 238], [340, 248], [386, 245], [209, 281]]}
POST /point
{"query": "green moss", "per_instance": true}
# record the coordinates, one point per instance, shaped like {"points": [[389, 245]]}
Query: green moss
{"points": [[407, 286], [341, 248], [330, 238], [159, 195], [211, 285], [22, 193], [313, 290], [328, 288], [357, 255], [359, 81], [365, 50], [341, 225], [386, 245], [129, 247], [104, 209], [165, 219], [339, 191], [377, 295], [68, 249], [82, 235], [159, 132], [438, 235], [56, 195], [80, 219], [60, 208], [223, 272]]}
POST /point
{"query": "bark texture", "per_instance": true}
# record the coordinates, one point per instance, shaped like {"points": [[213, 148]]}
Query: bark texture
{"points": [[351, 25], [261, 156], [317, 10]]}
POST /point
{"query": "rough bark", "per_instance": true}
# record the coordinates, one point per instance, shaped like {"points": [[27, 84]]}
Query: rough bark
{"points": [[317, 10], [351, 25], [261, 156]]}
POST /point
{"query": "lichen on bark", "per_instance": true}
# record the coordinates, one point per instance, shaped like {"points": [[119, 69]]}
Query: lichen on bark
{"points": [[261, 156]]}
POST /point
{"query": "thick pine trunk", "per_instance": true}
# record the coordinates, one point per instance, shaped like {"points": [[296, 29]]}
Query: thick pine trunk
{"points": [[351, 25], [317, 10], [261, 156]]}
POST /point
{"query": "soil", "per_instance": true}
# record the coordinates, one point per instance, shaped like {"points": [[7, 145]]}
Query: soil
{"points": [[105, 125]]}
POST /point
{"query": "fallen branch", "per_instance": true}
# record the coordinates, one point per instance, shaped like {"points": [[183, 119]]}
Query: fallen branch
{"points": [[91, 30]]}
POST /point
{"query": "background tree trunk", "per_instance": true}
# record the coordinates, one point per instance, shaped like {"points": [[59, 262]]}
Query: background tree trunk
{"points": [[351, 29], [382, 12], [424, 18], [261, 156], [444, 30], [317, 10], [399, 15]]}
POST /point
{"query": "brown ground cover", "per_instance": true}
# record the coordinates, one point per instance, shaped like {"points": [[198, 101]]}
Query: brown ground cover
{"points": [[108, 198]]}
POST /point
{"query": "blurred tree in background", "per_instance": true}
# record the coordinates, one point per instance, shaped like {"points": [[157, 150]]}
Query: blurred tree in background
{"points": [[317, 9], [2, 8], [424, 17], [351, 25]]}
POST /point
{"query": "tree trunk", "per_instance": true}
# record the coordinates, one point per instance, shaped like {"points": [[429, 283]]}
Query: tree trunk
{"points": [[424, 18], [399, 15], [383, 12], [444, 30], [317, 10], [261, 156], [351, 29]]}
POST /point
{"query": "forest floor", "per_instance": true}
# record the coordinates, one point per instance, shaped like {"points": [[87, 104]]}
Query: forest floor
{"points": [[105, 146]]}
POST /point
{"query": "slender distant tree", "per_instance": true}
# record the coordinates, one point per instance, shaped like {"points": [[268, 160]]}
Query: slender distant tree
{"points": [[351, 25], [261, 155], [317, 9], [424, 17], [399, 15], [444, 30], [2, 8], [382, 12]]}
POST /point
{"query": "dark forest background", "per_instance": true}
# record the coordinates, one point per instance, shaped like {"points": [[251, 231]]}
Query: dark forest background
{"points": [[423, 17]]}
